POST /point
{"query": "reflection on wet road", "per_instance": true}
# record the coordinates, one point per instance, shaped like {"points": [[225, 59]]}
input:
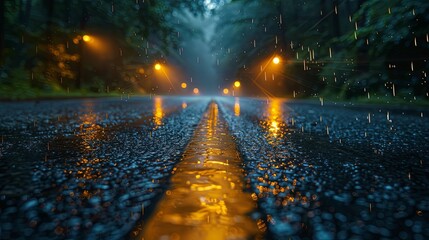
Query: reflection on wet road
{"points": [[322, 171], [206, 198], [94, 168], [84, 169]]}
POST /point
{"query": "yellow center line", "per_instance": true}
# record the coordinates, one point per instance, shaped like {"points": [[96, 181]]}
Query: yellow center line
{"points": [[206, 199]]}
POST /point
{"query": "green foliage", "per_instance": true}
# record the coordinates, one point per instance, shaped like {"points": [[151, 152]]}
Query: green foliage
{"points": [[43, 39], [350, 49]]}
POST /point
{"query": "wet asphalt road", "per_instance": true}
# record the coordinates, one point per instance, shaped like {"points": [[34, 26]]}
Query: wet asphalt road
{"points": [[92, 168]]}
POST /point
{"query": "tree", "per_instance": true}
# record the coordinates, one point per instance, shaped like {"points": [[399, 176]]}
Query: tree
{"points": [[40, 39]]}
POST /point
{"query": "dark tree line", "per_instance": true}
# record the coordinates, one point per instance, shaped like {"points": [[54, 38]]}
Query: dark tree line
{"points": [[42, 43], [338, 48]]}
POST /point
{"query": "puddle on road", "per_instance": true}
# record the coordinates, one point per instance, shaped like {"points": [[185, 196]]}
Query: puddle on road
{"points": [[206, 198]]}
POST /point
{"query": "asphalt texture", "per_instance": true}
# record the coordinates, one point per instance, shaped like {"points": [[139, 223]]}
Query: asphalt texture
{"points": [[94, 168]]}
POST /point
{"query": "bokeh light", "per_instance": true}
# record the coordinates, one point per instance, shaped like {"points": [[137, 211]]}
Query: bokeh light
{"points": [[276, 60], [86, 38]]}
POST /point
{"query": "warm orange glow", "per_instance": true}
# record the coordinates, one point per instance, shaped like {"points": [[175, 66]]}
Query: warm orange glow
{"points": [[184, 105], [158, 112], [86, 38], [157, 66], [141, 70], [237, 107], [276, 60], [196, 91], [213, 205], [184, 85], [274, 117], [225, 91], [237, 84]]}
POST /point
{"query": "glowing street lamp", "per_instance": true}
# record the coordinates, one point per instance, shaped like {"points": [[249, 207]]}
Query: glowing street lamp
{"points": [[225, 91], [184, 85], [276, 60], [157, 66], [237, 84], [86, 38], [196, 91]]}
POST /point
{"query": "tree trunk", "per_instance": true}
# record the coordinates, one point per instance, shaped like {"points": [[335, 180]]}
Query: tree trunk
{"points": [[67, 10], [49, 19], [282, 42], [27, 13], [21, 12], [322, 15], [362, 53], [2, 32], [82, 25]]}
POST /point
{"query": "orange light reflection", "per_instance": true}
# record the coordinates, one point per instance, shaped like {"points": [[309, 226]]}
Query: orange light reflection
{"points": [[274, 117], [158, 112], [237, 107]]}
